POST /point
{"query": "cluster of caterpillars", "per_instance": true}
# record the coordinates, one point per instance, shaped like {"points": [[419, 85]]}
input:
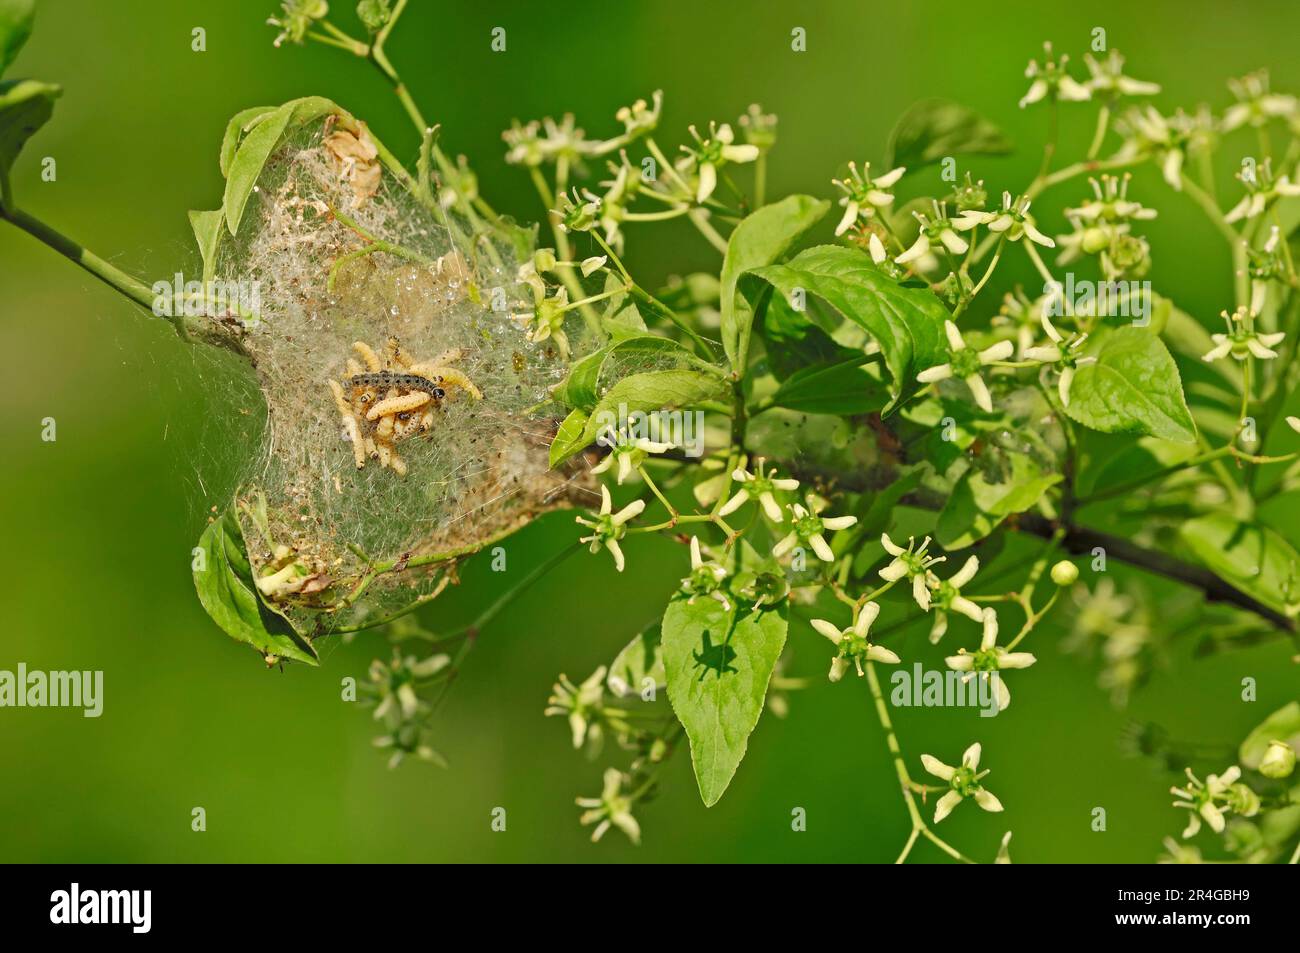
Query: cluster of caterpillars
{"points": [[383, 402]]}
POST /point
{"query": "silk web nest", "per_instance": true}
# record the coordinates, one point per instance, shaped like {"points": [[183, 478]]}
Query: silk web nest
{"points": [[365, 288]]}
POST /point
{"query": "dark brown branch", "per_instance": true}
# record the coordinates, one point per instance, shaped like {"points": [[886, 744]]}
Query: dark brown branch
{"points": [[1081, 539]]}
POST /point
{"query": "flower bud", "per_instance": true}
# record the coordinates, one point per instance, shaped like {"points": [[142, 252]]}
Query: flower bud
{"points": [[1279, 760], [1065, 573], [1095, 239], [543, 260]]}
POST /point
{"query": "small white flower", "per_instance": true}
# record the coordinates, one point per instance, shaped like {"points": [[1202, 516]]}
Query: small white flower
{"points": [[938, 228], [641, 117], [714, 152], [1012, 220], [853, 643], [759, 485], [913, 563], [706, 577], [1207, 801], [989, 659], [611, 808], [580, 704], [963, 782], [629, 452], [1062, 355], [1255, 104], [947, 597], [1050, 80], [1262, 189], [1242, 340], [965, 363], [863, 195], [807, 525], [1110, 202], [610, 527], [1108, 79]]}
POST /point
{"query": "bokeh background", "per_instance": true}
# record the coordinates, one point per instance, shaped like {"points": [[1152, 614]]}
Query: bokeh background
{"points": [[98, 526]]}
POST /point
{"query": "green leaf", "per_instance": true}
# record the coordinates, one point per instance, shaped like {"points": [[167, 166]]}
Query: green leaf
{"points": [[907, 323], [248, 162], [1133, 388], [568, 439], [641, 659], [207, 232], [239, 124], [25, 106], [936, 128], [257, 146], [1282, 725], [845, 389], [793, 342], [624, 323], [718, 667], [580, 389], [653, 390], [1005, 483], [1253, 558], [226, 590], [760, 239], [15, 27]]}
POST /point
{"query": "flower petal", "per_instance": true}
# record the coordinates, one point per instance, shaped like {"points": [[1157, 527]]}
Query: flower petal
{"points": [[937, 767], [945, 805], [828, 629]]}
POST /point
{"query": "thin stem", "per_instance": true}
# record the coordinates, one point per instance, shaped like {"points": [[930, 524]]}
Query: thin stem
{"points": [[1103, 122], [654, 488], [550, 199], [667, 166], [699, 218], [993, 263], [1234, 239], [1129, 486], [112, 276], [919, 827], [1049, 149], [522, 586], [1037, 259]]}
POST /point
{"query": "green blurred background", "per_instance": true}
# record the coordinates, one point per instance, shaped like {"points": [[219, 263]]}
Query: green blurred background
{"points": [[98, 526]]}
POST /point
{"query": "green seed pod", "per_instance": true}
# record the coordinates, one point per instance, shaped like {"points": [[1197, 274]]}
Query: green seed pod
{"points": [[1065, 573]]}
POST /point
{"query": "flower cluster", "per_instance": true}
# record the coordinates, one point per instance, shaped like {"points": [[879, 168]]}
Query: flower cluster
{"points": [[393, 688]]}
